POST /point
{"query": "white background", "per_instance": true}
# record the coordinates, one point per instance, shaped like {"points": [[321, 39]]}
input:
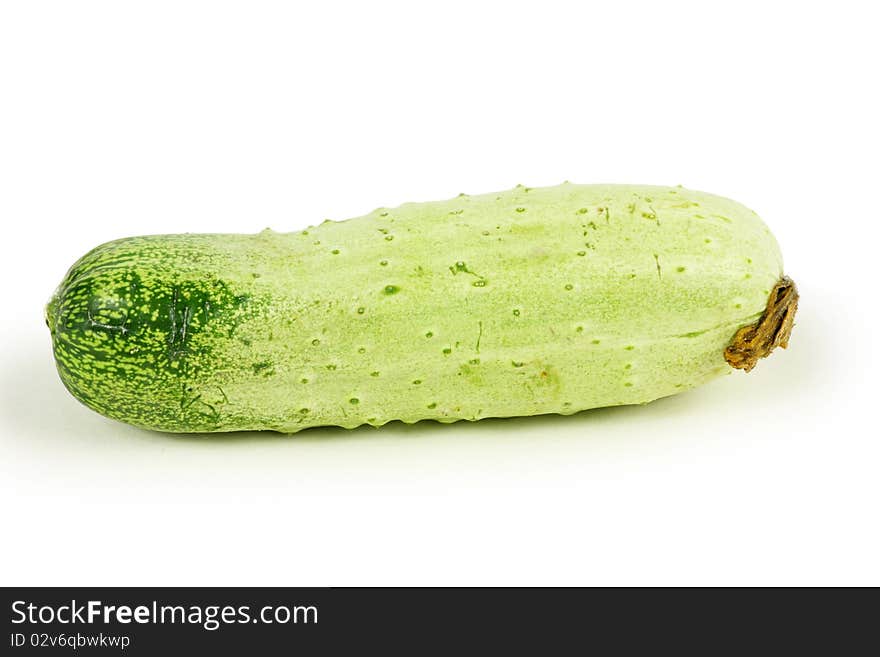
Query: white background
{"points": [[126, 118]]}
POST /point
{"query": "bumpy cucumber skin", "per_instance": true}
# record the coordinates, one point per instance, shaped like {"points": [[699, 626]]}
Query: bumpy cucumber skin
{"points": [[522, 302]]}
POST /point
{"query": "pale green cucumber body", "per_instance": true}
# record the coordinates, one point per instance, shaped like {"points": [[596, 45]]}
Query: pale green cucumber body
{"points": [[522, 302]]}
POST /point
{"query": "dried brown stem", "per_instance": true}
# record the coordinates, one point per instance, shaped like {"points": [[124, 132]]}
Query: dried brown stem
{"points": [[773, 329]]}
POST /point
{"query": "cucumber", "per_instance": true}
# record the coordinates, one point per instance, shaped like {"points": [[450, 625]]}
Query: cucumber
{"points": [[522, 302]]}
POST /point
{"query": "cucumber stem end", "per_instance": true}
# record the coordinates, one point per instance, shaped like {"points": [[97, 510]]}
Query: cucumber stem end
{"points": [[773, 329]]}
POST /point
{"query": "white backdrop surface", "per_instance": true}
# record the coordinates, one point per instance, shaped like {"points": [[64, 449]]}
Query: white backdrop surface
{"points": [[119, 119]]}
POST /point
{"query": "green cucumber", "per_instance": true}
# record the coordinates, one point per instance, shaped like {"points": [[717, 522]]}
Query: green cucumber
{"points": [[522, 302]]}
